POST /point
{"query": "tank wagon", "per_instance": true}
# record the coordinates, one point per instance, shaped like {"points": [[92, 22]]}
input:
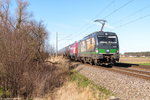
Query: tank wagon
{"points": [[99, 48]]}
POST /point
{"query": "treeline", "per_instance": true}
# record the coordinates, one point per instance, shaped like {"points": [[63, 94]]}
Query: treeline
{"points": [[23, 68], [138, 54]]}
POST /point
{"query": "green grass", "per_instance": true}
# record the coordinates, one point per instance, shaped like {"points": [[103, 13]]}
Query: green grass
{"points": [[145, 64], [4, 93], [80, 79], [1, 92], [84, 82]]}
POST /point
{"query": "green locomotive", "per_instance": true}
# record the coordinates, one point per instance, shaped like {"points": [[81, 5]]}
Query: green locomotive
{"points": [[100, 48]]}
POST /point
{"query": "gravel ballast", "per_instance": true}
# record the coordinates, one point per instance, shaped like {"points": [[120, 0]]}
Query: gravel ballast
{"points": [[126, 87]]}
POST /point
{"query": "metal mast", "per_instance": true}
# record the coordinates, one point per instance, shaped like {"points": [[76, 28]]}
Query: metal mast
{"points": [[56, 44]]}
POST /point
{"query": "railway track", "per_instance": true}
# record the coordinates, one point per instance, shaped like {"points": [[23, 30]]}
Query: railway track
{"points": [[142, 67], [146, 67], [127, 83], [136, 71], [130, 72]]}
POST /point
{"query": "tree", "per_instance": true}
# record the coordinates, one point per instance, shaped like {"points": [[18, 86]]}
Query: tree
{"points": [[21, 49]]}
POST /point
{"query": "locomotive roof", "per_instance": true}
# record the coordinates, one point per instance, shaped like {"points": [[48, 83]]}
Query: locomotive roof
{"points": [[92, 35], [99, 33]]}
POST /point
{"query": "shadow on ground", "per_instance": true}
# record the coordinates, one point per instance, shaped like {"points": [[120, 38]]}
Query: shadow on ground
{"points": [[73, 66], [125, 65]]}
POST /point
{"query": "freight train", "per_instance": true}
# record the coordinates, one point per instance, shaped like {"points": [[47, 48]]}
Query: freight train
{"points": [[99, 48]]}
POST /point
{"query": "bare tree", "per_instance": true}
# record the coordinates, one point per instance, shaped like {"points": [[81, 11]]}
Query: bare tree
{"points": [[22, 54], [22, 14], [4, 11]]}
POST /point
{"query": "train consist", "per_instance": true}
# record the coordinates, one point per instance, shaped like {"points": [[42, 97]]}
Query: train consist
{"points": [[99, 48]]}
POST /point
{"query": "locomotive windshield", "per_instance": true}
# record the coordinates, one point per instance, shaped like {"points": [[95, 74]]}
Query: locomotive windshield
{"points": [[107, 39]]}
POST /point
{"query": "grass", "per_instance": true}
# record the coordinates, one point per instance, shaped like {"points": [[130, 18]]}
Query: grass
{"points": [[145, 64], [140, 63], [137, 60], [1, 92], [84, 82], [71, 91], [4, 93], [77, 87]]}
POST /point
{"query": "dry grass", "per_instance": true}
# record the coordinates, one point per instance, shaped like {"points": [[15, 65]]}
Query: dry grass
{"points": [[71, 91], [137, 60], [58, 60]]}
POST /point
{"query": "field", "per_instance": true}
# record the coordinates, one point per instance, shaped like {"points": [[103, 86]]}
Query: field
{"points": [[136, 60]]}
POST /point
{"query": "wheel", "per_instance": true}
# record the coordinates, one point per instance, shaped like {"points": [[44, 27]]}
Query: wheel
{"points": [[109, 66], [91, 61], [95, 62], [83, 60]]}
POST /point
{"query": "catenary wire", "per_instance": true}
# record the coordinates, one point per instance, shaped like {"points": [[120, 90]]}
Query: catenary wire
{"points": [[104, 9], [135, 20], [114, 11], [133, 14]]}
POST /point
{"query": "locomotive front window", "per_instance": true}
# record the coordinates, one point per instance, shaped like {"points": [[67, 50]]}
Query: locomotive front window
{"points": [[102, 39], [107, 39], [112, 39]]}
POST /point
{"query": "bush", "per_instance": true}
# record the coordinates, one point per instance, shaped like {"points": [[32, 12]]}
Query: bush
{"points": [[23, 70]]}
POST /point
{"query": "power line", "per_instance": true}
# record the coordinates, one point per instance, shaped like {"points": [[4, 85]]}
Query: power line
{"points": [[106, 15], [114, 11], [118, 9], [104, 9], [133, 14], [132, 21]]}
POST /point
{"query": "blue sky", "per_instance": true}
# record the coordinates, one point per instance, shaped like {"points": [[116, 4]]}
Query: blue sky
{"points": [[73, 19]]}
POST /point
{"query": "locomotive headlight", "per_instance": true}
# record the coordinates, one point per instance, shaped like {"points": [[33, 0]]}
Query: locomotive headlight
{"points": [[96, 50], [106, 33], [117, 51], [107, 51]]}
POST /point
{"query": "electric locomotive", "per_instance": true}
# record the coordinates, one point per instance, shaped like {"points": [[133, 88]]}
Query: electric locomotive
{"points": [[100, 48]]}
